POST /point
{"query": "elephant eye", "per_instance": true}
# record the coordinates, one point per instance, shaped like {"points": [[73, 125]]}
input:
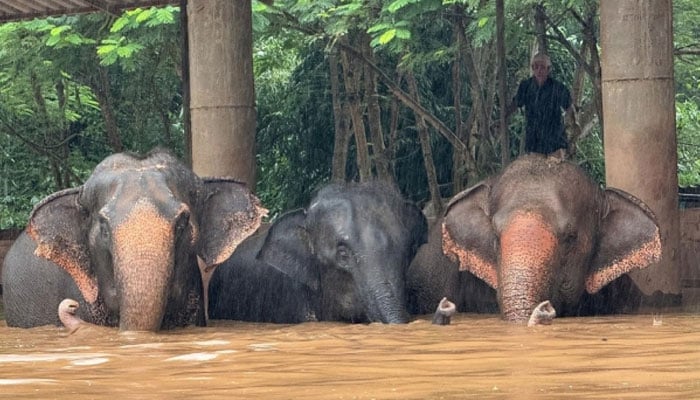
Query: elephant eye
{"points": [[104, 228], [343, 254], [182, 224]]}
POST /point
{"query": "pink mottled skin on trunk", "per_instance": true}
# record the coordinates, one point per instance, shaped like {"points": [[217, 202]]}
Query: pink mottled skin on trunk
{"points": [[528, 245], [143, 266]]}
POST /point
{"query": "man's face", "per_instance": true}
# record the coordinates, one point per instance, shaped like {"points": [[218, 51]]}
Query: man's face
{"points": [[540, 71]]}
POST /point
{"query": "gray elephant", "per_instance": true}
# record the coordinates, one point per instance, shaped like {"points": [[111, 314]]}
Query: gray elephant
{"points": [[126, 244], [540, 230], [342, 259], [433, 276]]}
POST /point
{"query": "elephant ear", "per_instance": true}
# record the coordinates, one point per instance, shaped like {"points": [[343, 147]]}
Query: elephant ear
{"points": [[467, 234], [228, 214], [629, 239], [57, 226], [287, 248]]}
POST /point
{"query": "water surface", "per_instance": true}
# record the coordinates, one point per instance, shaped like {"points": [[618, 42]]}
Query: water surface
{"points": [[480, 357]]}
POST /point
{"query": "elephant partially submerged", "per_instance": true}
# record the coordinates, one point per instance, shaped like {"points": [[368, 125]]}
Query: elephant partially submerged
{"points": [[343, 258], [126, 244], [540, 230]]}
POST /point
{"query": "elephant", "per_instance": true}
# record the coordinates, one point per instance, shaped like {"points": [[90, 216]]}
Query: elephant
{"points": [[432, 276], [539, 230], [343, 258], [127, 245]]}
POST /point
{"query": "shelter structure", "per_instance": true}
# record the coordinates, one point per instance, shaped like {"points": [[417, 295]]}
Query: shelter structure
{"points": [[638, 102], [11, 10]]}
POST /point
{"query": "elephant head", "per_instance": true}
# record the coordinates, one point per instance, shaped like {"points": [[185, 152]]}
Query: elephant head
{"points": [[543, 230], [351, 246], [129, 237]]}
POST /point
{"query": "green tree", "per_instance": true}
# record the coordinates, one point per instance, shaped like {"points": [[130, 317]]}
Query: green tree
{"points": [[77, 88]]}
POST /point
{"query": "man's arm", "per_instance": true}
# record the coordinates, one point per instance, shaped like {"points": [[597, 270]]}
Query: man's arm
{"points": [[516, 101]]}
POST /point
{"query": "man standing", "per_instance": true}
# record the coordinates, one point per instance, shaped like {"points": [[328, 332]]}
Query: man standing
{"points": [[544, 98]]}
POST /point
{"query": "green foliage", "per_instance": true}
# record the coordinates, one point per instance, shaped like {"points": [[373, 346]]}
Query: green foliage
{"points": [[111, 50], [688, 133], [53, 72], [295, 127], [52, 125], [687, 77]]}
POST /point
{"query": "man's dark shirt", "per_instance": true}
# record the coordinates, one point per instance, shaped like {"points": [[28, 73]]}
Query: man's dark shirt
{"points": [[544, 131]]}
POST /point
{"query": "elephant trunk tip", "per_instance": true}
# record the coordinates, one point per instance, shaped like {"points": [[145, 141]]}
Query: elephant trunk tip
{"points": [[444, 312], [66, 313], [543, 314]]}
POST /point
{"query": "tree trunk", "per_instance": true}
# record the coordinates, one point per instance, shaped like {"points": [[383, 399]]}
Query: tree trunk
{"points": [[104, 98], [54, 145], [381, 163], [407, 100], [458, 157], [426, 148], [63, 134], [480, 115], [540, 30], [588, 63], [501, 54], [342, 134], [394, 111], [351, 77]]}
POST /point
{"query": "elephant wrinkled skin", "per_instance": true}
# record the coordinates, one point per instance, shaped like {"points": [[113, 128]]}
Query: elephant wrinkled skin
{"points": [[342, 259], [125, 245], [540, 230]]}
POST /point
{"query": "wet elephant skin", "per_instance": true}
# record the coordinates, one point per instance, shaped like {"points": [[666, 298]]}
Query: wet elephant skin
{"points": [[126, 244], [540, 230], [343, 258]]}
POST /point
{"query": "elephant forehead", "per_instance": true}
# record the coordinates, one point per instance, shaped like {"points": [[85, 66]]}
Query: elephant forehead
{"points": [[331, 216], [127, 186], [528, 234], [144, 227]]}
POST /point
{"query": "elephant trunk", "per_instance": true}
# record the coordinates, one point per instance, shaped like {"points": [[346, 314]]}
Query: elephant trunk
{"points": [[386, 301], [528, 245], [388, 310], [143, 265]]}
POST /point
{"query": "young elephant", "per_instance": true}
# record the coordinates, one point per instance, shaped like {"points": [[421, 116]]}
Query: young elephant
{"points": [[343, 258], [125, 245], [541, 230]]}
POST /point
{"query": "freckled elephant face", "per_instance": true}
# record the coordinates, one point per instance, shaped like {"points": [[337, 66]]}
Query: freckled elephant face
{"points": [[543, 230], [132, 234], [140, 222]]}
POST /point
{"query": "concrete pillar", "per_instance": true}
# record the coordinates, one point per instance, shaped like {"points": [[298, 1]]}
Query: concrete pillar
{"points": [[639, 114], [222, 103]]}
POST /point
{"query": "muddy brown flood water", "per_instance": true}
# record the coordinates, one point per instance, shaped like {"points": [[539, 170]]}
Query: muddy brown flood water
{"points": [[481, 357]]}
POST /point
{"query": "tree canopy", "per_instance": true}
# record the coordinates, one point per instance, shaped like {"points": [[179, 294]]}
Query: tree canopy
{"points": [[404, 91]]}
